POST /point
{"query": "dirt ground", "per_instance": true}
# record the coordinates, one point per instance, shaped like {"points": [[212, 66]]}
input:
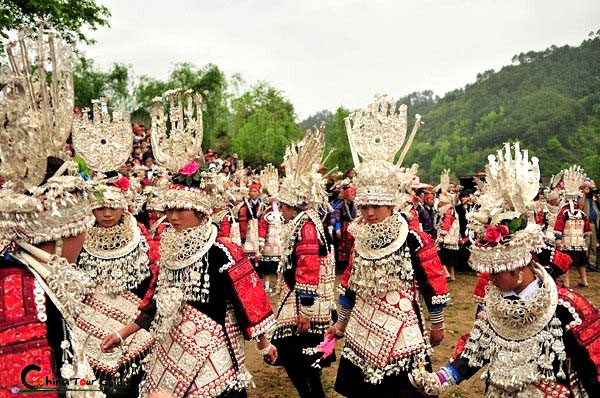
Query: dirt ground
{"points": [[272, 382]]}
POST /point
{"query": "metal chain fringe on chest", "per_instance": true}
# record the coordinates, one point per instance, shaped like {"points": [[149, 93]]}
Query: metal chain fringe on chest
{"points": [[521, 341], [116, 258]]}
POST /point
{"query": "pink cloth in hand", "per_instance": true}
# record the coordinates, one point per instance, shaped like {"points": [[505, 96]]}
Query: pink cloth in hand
{"points": [[327, 346]]}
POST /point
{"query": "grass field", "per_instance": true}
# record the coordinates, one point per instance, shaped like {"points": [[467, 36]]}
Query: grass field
{"points": [[272, 382]]}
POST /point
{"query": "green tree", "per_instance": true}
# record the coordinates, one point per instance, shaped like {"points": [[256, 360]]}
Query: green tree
{"points": [[336, 140], [68, 17], [262, 125], [209, 81], [91, 83]]}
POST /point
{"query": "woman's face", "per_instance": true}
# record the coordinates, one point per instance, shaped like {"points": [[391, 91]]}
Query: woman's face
{"points": [[182, 219], [288, 212], [108, 217], [506, 281], [71, 247], [374, 214]]}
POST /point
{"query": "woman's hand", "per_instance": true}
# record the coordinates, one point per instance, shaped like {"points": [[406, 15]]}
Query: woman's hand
{"points": [[110, 342], [336, 330], [271, 356], [303, 324], [436, 334]]}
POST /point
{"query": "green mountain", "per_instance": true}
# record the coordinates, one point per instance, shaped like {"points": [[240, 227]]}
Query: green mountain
{"points": [[547, 100]]}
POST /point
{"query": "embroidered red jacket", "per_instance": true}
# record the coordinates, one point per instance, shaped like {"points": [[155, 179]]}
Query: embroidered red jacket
{"points": [[245, 214], [448, 220], [562, 217], [304, 274]]}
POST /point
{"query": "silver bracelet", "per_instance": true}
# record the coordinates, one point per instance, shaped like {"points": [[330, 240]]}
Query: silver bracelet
{"points": [[264, 351], [306, 311], [120, 337]]}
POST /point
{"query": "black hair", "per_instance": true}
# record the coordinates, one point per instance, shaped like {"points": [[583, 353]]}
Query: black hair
{"points": [[52, 166], [147, 155], [465, 193]]}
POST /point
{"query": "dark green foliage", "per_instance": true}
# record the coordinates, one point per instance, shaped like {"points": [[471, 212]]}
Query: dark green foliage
{"points": [[547, 100], [91, 83], [66, 16], [262, 125]]}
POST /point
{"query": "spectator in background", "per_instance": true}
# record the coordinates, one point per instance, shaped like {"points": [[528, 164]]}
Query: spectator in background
{"points": [[137, 154], [589, 203], [426, 212], [466, 201], [145, 146], [148, 160]]}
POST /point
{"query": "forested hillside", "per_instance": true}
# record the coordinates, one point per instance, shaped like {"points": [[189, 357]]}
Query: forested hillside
{"points": [[548, 100]]}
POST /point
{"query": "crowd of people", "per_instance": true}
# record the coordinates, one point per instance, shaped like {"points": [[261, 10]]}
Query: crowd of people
{"points": [[139, 265]]}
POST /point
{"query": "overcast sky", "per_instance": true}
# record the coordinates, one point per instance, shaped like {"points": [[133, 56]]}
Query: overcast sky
{"points": [[323, 54]]}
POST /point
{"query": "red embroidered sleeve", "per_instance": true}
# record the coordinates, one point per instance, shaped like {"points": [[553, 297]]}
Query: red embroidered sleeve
{"points": [[482, 282], [559, 225], [561, 260], [448, 219], [585, 325], [540, 217], [307, 257], [263, 227], [348, 271], [586, 224], [435, 290], [144, 231], [252, 306], [243, 221], [225, 227], [154, 271], [413, 219], [460, 346], [159, 231]]}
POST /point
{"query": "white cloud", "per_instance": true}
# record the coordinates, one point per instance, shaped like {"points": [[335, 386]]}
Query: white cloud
{"points": [[323, 54]]}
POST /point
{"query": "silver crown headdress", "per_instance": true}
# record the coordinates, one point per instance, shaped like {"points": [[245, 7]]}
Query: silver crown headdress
{"points": [[180, 147], [573, 178], [505, 206], [37, 106], [104, 142], [182, 143], [376, 134], [36, 112], [447, 197], [303, 185], [269, 179]]}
